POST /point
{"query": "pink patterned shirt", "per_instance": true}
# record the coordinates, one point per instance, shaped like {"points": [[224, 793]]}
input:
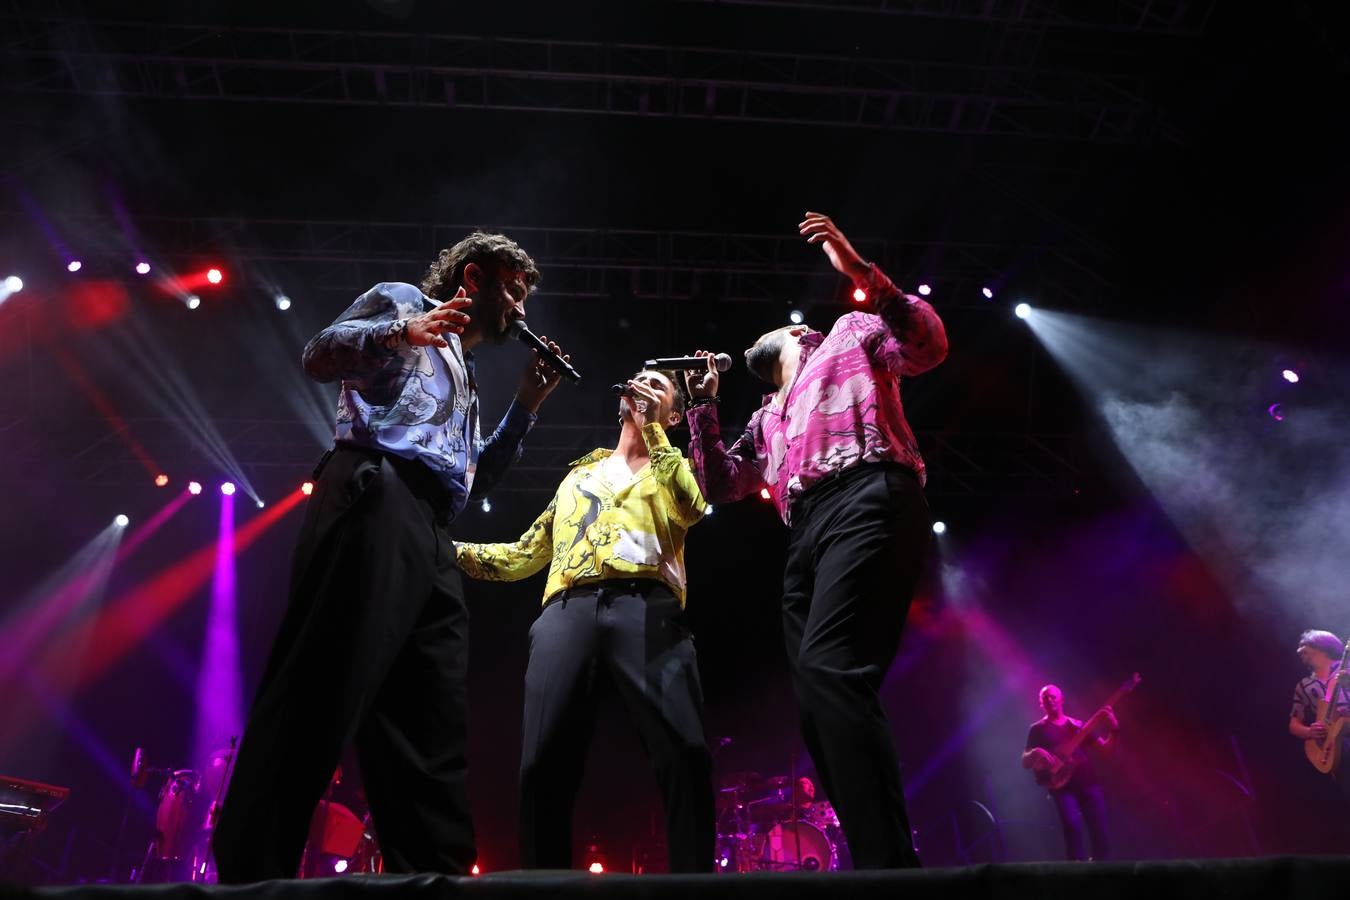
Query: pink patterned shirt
{"points": [[842, 409]]}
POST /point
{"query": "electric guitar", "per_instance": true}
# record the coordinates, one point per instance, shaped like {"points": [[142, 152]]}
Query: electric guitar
{"points": [[1326, 753], [1055, 767]]}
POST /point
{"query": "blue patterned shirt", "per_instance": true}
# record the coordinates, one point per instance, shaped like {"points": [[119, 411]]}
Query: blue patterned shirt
{"points": [[420, 403]]}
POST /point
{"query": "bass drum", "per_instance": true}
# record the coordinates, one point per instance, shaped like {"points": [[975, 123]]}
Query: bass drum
{"points": [[794, 847]]}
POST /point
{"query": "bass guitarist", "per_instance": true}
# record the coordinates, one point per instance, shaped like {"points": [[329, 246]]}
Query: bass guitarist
{"points": [[1079, 801], [1322, 652]]}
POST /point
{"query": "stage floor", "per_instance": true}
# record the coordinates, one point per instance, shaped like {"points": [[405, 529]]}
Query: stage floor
{"points": [[1304, 878]]}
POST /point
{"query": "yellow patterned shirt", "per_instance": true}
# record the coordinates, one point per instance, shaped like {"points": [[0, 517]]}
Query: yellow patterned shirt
{"points": [[599, 527]]}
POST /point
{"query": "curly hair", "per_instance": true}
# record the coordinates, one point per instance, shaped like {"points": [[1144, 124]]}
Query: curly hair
{"points": [[496, 253]]}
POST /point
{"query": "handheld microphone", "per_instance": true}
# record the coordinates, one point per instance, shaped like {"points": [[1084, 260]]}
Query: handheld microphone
{"points": [[622, 390], [521, 332], [722, 361]]}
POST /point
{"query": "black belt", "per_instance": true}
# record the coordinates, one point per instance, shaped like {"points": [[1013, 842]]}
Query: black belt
{"points": [[830, 485], [643, 586]]}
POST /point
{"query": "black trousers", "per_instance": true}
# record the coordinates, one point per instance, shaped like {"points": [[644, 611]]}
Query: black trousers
{"points": [[636, 631], [1077, 805], [374, 645], [853, 560]]}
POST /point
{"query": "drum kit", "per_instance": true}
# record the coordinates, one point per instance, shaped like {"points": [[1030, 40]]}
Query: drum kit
{"points": [[340, 842], [775, 824]]}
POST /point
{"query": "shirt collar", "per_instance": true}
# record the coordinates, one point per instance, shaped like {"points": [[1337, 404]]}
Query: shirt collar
{"points": [[594, 456]]}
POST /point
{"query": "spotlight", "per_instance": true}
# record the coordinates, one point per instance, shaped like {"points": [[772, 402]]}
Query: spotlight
{"points": [[121, 521], [925, 290], [214, 275], [307, 488], [227, 489], [988, 294], [724, 862], [260, 504], [14, 284], [1022, 310], [939, 527], [487, 505], [142, 268], [597, 868], [340, 866], [161, 480], [475, 870], [796, 317], [707, 510], [1290, 376], [859, 295], [764, 493], [283, 302], [74, 265], [193, 301], [194, 488]]}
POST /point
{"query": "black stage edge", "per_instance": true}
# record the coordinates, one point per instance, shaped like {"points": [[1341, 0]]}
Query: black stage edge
{"points": [[1304, 878]]}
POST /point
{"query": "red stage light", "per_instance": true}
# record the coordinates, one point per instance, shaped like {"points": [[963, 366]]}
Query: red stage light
{"points": [[214, 275], [597, 868], [161, 480], [307, 488], [475, 870], [859, 295], [764, 493]]}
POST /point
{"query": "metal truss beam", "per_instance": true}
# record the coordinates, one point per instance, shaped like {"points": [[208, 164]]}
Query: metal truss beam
{"points": [[590, 263], [199, 63], [1186, 18], [269, 451]]}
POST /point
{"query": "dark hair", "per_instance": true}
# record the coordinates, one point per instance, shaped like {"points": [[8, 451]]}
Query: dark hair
{"points": [[1325, 641], [763, 358], [678, 403], [496, 253]]}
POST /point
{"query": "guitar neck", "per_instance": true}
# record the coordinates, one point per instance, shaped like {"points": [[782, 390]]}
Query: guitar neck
{"points": [[1334, 687], [1091, 720]]}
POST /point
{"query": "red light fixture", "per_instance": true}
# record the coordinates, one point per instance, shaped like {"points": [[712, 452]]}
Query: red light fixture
{"points": [[764, 494], [214, 275], [859, 295], [161, 480], [307, 488]]}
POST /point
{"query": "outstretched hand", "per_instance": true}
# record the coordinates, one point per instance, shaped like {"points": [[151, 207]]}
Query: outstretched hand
{"points": [[819, 228], [427, 329]]}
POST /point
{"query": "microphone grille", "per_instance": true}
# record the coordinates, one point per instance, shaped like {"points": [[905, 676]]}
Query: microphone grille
{"points": [[517, 328], [723, 362]]}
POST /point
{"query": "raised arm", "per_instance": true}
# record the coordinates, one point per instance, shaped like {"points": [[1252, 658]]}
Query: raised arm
{"points": [[670, 468], [917, 339], [368, 336], [511, 561]]}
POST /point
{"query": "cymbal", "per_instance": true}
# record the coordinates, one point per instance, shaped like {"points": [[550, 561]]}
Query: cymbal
{"points": [[739, 781], [779, 781]]}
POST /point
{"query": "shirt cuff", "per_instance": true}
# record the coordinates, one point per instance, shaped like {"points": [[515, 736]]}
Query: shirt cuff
{"points": [[518, 418], [702, 416], [654, 436]]}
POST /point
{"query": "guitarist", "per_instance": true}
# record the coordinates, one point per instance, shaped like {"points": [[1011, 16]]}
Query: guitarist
{"points": [[1321, 651], [1080, 800]]}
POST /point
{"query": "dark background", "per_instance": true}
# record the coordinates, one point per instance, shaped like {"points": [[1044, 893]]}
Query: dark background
{"points": [[1190, 176]]}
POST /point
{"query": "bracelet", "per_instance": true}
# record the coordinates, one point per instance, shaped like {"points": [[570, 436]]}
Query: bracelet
{"points": [[704, 401]]}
